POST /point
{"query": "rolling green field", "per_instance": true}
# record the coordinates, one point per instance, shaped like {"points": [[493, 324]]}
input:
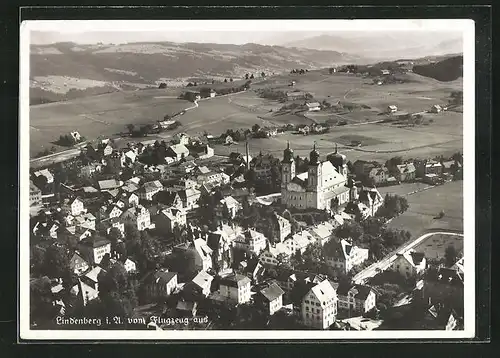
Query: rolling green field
{"points": [[102, 115], [108, 114], [425, 206], [435, 246]]}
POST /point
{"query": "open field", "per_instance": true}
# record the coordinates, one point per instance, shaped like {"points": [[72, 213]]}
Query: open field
{"points": [[108, 114], [435, 246], [95, 116], [426, 205]]}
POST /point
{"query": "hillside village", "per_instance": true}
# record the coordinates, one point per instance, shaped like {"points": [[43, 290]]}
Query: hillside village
{"points": [[167, 235]]}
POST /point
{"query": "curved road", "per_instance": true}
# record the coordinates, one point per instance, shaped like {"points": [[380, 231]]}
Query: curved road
{"points": [[387, 261]]}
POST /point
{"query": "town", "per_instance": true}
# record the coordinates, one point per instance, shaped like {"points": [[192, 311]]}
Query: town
{"points": [[319, 198], [113, 236]]}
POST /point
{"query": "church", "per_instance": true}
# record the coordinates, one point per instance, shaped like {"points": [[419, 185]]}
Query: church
{"points": [[321, 187]]}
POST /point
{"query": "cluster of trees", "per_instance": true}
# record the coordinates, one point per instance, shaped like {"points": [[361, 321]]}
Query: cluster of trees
{"points": [[250, 76], [394, 205], [162, 85], [230, 80], [272, 94], [67, 140], [141, 131], [45, 152], [456, 98], [300, 71]]}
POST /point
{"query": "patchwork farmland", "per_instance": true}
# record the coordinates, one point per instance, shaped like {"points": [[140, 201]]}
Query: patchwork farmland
{"points": [[108, 114]]}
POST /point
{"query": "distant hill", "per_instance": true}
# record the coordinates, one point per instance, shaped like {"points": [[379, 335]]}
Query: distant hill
{"points": [[387, 46], [59, 68], [446, 70]]}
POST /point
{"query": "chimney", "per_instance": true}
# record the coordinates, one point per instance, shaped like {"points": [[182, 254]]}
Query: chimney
{"points": [[247, 162]]}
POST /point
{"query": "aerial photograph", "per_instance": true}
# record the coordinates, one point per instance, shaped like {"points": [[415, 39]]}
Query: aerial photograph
{"points": [[246, 180]]}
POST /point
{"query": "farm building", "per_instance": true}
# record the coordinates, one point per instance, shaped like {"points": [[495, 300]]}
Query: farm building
{"points": [[76, 136], [229, 140], [313, 106], [392, 109], [386, 72], [213, 93], [436, 108]]}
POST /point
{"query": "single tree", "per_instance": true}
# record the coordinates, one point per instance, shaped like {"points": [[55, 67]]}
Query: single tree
{"points": [[450, 256]]}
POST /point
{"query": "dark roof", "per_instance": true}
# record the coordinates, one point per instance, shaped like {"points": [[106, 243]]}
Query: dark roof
{"points": [[94, 241], [417, 257], [160, 276], [272, 292], [363, 292], [234, 280]]}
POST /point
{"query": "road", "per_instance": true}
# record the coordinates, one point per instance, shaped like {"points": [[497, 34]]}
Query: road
{"points": [[387, 261]]}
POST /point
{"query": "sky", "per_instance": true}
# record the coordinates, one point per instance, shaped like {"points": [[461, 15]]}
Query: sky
{"points": [[273, 32]]}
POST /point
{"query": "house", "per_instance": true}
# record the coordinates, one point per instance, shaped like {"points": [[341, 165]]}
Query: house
{"points": [[263, 165], [235, 288], [319, 306], [178, 152], [410, 263], [130, 266], [433, 167], [283, 227], [169, 218], [186, 308], [378, 175], [85, 291], [345, 256], [363, 168], [432, 179], [110, 184], [270, 298], [406, 172], [251, 241], [76, 136], [206, 152], [313, 106], [149, 190], [189, 198], [444, 285], [202, 283], [105, 149], [299, 242], [127, 158], [181, 138], [386, 72], [392, 109], [372, 198], [322, 232], [77, 264], [304, 130], [35, 195], [231, 204], [77, 232], [139, 216], [89, 169], [77, 207], [131, 199], [356, 298], [436, 108], [228, 140], [94, 248], [198, 251], [159, 284]]}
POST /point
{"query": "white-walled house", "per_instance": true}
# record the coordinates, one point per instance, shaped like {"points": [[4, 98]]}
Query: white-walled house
{"points": [[235, 288], [356, 298], [319, 306], [410, 263]]}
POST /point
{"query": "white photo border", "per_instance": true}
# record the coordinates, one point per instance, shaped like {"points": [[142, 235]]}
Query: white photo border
{"points": [[466, 26]]}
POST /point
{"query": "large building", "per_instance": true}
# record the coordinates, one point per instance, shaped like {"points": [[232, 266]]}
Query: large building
{"points": [[323, 185]]}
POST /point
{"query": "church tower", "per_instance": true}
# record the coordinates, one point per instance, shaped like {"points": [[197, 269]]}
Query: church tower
{"points": [[314, 176], [287, 166], [339, 161]]}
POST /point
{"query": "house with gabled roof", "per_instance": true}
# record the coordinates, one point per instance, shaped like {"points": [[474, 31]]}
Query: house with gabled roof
{"points": [[251, 241], [230, 204], [139, 216], [78, 265], [356, 298], [177, 152], [299, 242], [168, 218], [406, 172], [150, 189], [94, 248], [77, 207], [410, 263], [343, 256], [235, 288], [319, 306], [201, 284], [110, 184], [378, 175], [270, 298], [283, 227], [372, 199], [159, 284]]}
